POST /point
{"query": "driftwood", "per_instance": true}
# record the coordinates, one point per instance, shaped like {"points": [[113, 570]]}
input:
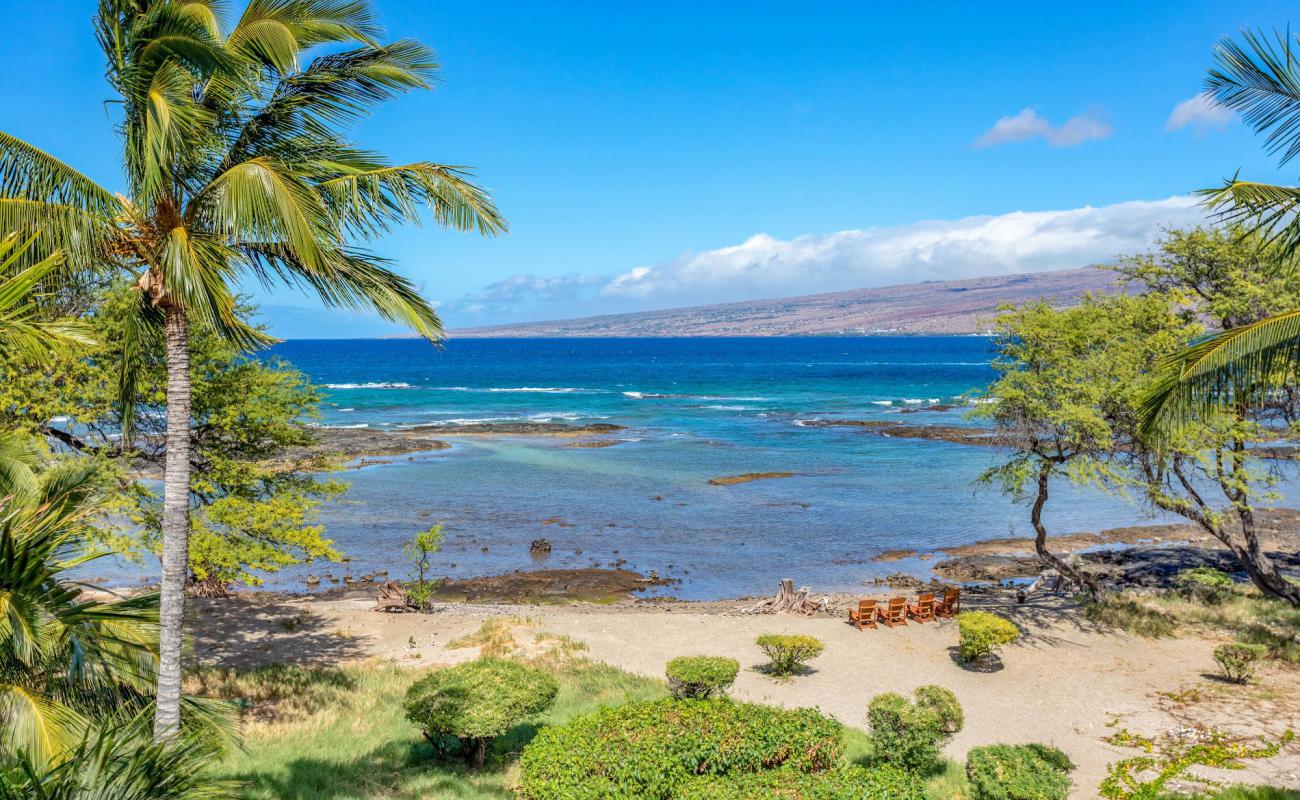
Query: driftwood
{"points": [[787, 599], [392, 597]]}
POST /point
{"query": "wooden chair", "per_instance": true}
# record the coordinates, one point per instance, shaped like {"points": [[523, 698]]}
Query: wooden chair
{"points": [[865, 616], [923, 609], [894, 612], [950, 605]]}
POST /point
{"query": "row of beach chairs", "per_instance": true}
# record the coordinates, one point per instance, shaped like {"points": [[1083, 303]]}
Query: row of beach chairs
{"points": [[896, 610]]}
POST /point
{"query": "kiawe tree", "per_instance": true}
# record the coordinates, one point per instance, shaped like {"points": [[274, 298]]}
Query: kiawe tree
{"points": [[237, 166], [1066, 396], [1208, 467]]}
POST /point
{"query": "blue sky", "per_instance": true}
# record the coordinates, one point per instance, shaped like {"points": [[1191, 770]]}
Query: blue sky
{"points": [[655, 155]]}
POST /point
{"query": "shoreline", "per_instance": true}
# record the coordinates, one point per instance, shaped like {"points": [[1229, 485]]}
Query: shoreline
{"points": [[1140, 556]]}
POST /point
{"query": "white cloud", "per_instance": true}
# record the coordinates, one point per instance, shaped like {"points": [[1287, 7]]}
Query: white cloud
{"points": [[1021, 241], [1028, 125], [1200, 112], [766, 267]]}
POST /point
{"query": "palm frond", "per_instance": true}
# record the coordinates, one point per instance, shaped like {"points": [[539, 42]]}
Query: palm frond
{"points": [[1232, 368], [24, 334], [349, 279], [1260, 79], [275, 32], [368, 202]]}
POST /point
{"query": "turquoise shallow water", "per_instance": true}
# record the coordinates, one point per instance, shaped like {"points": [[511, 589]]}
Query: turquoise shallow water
{"points": [[694, 409]]}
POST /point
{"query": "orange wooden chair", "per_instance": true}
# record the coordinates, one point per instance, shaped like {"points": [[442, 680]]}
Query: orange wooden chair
{"points": [[865, 616], [950, 605], [894, 612], [923, 609]]}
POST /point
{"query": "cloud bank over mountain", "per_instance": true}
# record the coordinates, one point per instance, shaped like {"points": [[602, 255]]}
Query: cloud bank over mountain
{"points": [[764, 266]]}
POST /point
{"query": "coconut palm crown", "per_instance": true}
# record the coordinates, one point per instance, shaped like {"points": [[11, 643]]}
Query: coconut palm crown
{"points": [[236, 165]]}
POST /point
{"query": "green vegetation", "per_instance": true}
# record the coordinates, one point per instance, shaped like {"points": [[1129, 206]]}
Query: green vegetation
{"points": [[469, 705], [842, 783], [701, 677], [1205, 584], [318, 732], [1244, 615], [1169, 758], [911, 734], [983, 634], [66, 664], [1238, 660], [788, 653], [1018, 772], [417, 551], [1240, 793], [1068, 383], [652, 749]]}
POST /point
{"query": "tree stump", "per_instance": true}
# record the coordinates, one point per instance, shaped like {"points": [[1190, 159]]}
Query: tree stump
{"points": [[787, 599], [392, 597]]}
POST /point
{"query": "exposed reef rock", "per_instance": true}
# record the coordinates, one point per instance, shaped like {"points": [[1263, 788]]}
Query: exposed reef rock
{"points": [[732, 480]]}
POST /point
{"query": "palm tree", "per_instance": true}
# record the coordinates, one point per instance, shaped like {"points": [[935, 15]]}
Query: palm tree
{"points": [[236, 166], [119, 762], [1259, 78], [65, 663]]}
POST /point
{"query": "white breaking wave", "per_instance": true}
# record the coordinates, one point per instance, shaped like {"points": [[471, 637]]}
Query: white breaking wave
{"points": [[370, 385], [882, 402], [523, 389], [343, 427]]}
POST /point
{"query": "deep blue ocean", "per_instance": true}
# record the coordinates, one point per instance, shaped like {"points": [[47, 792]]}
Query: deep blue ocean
{"points": [[693, 409]]}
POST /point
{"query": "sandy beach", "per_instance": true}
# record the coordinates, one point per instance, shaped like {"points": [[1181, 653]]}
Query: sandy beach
{"points": [[1067, 682]]}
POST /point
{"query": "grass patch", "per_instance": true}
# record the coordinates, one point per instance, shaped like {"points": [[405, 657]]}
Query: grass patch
{"points": [[1244, 614], [495, 637], [353, 742], [947, 783]]}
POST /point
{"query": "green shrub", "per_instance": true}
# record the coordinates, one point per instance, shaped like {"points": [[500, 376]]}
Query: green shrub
{"points": [[650, 750], [1206, 584], [982, 634], [701, 677], [467, 706], [1238, 660], [911, 734], [1018, 772], [787, 653], [843, 783]]}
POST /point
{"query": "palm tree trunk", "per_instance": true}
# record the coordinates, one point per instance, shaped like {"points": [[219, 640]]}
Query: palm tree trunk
{"points": [[175, 526]]}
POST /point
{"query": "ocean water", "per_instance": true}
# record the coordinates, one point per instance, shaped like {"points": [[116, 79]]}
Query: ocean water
{"points": [[693, 409]]}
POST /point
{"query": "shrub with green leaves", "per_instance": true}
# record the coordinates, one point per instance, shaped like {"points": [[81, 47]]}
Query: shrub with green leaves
{"points": [[701, 677], [842, 783], [911, 734], [469, 705], [1018, 772], [983, 634], [1237, 660], [1206, 584], [788, 653], [652, 750]]}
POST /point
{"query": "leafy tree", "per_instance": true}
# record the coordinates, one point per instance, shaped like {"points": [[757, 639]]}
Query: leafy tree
{"points": [[1067, 392], [1203, 469], [236, 165], [253, 484], [417, 551]]}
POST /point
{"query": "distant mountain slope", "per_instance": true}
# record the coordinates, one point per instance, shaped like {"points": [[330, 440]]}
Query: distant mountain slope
{"points": [[964, 306]]}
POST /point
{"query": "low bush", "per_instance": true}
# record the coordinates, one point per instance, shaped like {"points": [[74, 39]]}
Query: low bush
{"points": [[982, 634], [1018, 772], [911, 733], [701, 677], [843, 783], [1238, 660], [469, 705], [1206, 584], [788, 653], [651, 750]]}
